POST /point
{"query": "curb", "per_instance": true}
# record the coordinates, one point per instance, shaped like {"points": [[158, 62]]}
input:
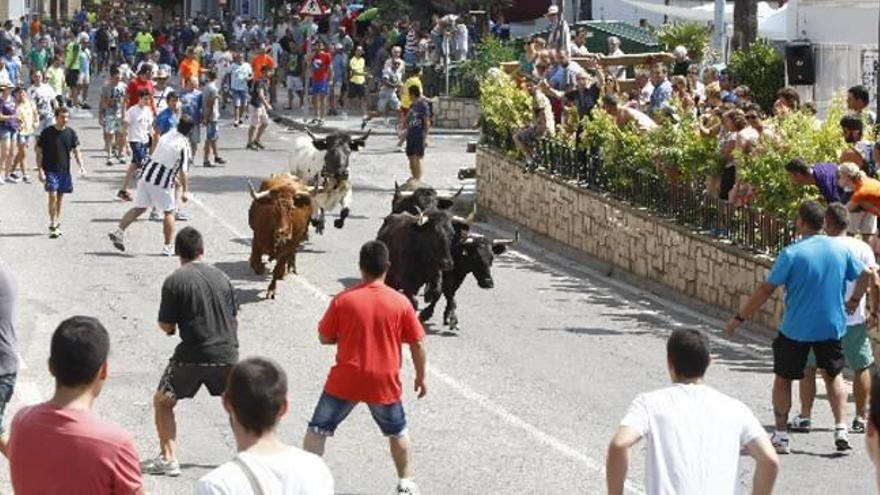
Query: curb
{"points": [[299, 125]]}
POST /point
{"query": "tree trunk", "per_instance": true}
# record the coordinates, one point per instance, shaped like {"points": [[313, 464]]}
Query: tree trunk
{"points": [[745, 23]]}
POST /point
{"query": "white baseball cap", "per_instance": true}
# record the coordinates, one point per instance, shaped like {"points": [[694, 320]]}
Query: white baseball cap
{"points": [[552, 10]]}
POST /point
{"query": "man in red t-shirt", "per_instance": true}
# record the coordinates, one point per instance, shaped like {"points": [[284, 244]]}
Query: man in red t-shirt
{"points": [[60, 446], [368, 323], [319, 66], [144, 80]]}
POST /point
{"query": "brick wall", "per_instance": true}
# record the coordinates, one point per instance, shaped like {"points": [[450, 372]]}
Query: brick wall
{"points": [[624, 237], [456, 113]]}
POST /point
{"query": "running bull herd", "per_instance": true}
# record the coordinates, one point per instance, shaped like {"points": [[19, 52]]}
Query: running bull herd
{"points": [[429, 246]]}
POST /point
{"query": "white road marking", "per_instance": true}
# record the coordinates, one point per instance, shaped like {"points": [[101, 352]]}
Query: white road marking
{"points": [[457, 386]]}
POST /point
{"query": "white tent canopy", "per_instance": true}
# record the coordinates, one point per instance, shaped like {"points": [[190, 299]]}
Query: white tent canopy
{"points": [[772, 23]]}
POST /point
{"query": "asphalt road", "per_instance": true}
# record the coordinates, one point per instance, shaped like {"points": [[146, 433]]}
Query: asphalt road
{"points": [[523, 399]]}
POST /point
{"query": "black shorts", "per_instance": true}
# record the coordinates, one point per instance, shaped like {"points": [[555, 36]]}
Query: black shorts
{"points": [[182, 380], [790, 357], [415, 147], [356, 90], [728, 179], [72, 78]]}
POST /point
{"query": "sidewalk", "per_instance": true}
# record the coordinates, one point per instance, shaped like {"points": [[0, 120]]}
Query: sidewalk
{"points": [[352, 124]]}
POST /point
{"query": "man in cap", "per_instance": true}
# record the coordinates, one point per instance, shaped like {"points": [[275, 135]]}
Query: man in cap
{"points": [[559, 37], [162, 91]]}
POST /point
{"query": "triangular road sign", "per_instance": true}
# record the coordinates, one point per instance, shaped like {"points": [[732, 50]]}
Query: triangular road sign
{"points": [[312, 8]]}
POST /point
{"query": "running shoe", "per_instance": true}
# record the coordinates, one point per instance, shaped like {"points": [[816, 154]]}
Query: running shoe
{"points": [[168, 250], [26, 179], [841, 440], [800, 424], [207, 164], [181, 216], [159, 466], [401, 149], [219, 160], [407, 487], [780, 443], [155, 216], [109, 162], [859, 425], [54, 233], [259, 145], [252, 146], [117, 237], [124, 195], [122, 159]]}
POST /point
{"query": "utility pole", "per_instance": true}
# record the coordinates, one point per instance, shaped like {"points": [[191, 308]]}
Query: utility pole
{"points": [[718, 31]]}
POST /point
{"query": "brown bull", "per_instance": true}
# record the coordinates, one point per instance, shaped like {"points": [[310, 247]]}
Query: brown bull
{"points": [[279, 217]]}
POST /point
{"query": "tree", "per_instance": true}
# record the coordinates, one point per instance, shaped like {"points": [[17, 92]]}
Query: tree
{"points": [[745, 23]]}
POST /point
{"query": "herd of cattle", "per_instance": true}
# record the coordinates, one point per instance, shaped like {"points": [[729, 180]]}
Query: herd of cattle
{"points": [[429, 246]]}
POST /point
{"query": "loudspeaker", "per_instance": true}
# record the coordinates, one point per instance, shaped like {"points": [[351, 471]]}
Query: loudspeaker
{"points": [[799, 63]]}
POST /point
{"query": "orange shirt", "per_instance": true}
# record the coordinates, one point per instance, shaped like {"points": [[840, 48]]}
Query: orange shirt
{"points": [[258, 62], [867, 190], [369, 321], [189, 67], [35, 27]]}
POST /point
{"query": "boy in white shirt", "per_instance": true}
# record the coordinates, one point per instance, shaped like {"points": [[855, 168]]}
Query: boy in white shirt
{"points": [[256, 400], [694, 433]]}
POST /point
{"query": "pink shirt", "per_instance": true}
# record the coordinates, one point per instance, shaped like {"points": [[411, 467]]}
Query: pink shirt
{"points": [[63, 451]]}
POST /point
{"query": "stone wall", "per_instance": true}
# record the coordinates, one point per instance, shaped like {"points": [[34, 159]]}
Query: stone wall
{"points": [[456, 113], [623, 236]]}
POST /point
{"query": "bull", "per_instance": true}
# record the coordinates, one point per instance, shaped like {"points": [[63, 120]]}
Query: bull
{"points": [[472, 254], [419, 248], [279, 217], [415, 197], [326, 159]]}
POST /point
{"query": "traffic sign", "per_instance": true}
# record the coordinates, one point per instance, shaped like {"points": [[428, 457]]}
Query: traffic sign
{"points": [[312, 8]]}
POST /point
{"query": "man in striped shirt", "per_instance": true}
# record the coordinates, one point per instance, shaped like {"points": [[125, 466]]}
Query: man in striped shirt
{"points": [[166, 167]]}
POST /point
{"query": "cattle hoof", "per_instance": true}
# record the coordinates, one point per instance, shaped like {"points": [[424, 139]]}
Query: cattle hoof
{"points": [[270, 294], [452, 322], [425, 315], [260, 269], [338, 223]]}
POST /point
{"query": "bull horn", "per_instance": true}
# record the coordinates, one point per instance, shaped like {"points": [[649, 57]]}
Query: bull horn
{"points": [[451, 197], [507, 242], [472, 216], [309, 132], [366, 135], [256, 196]]}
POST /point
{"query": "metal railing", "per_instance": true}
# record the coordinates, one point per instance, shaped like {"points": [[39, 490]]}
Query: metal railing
{"points": [[685, 203]]}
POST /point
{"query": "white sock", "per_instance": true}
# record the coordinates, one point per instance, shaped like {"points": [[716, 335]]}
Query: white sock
{"points": [[781, 434], [840, 426]]}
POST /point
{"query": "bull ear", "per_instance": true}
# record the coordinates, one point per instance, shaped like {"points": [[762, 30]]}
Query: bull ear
{"points": [[499, 249], [302, 199], [320, 144], [358, 143]]}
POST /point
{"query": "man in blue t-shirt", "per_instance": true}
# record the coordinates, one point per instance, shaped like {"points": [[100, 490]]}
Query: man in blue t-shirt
{"points": [[170, 116], [814, 271], [191, 104]]}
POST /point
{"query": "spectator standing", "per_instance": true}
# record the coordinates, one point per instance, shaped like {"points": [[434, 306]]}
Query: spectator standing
{"points": [[295, 69], [676, 421], [85, 71], [338, 76], [256, 400], [682, 61], [55, 78], [388, 101], [8, 129], [43, 97], [406, 101], [138, 128], [26, 115], [144, 43], [857, 100], [260, 108], [368, 323], [319, 66], [166, 166], [211, 106], [240, 76], [662, 90], [110, 113], [161, 90], [261, 59], [579, 44], [87, 455], [189, 67], [39, 56], [418, 124], [170, 116], [814, 271], [357, 82], [858, 150], [560, 37], [8, 345], [191, 104], [460, 40], [856, 346], [198, 301], [54, 147], [72, 65]]}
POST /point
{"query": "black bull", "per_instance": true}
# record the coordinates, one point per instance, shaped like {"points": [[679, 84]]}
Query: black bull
{"points": [[470, 253]]}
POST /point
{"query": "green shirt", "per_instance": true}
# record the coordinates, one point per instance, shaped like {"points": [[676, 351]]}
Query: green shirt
{"points": [[144, 42], [39, 58], [71, 58]]}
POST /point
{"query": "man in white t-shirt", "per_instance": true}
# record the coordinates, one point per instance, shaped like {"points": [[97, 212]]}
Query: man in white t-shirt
{"points": [[694, 433], [165, 168], [856, 345], [256, 400]]}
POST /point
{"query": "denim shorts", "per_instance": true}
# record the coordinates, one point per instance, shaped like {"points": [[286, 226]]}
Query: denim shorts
{"points": [[239, 97], [211, 133], [7, 386], [23, 139], [331, 411], [59, 182], [6, 134], [140, 153]]}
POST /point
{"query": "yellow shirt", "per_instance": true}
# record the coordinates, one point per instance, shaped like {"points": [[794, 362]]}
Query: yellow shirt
{"points": [[357, 64], [405, 100], [144, 42], [25, 114]]}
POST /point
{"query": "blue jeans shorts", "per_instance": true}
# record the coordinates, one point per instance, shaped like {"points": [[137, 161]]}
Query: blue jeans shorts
{"points": [[320, 87], [211, 133], [7, 386], [239, 97], [59, 182], [140, 153], [331, 411], [6, 134]]}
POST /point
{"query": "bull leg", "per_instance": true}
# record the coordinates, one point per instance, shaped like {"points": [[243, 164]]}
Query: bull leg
{"points": [[291, 265], [450, 287], [340, 222], [318, 221], [277, 274], [432, 288], [257, 261], [428, 312]]}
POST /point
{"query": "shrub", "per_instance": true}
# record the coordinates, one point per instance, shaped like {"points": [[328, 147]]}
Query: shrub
{"points": [[490, 53], [760, 68], [693, 36], [506, 108]]}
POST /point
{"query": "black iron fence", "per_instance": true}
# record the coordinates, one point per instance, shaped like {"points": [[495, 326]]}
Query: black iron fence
{"points": [[686, 203]]}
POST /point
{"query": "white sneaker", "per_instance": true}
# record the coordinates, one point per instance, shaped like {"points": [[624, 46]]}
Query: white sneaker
{"points": [[155, 216], [780, 443], [841, 440], [159, 466], [118, 239], [168, 250], [407, 487]]}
